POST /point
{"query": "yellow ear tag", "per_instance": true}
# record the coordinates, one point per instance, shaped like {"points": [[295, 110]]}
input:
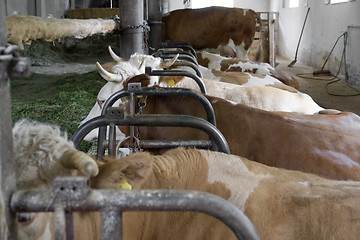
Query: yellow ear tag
{"points": [[123, 184], [171, 82]]}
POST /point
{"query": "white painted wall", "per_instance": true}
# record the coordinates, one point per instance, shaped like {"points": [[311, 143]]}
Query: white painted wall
{"points": [[324, 25]]}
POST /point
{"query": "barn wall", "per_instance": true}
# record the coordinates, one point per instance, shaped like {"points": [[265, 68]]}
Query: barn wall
{"points": [[324, 25], [39, 8], [256, 5]]}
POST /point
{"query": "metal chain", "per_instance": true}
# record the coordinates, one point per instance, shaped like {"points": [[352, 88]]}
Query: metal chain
{"points": [[141, 104]]}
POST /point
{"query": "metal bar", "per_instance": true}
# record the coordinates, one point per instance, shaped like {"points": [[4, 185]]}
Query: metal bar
{"points": [[169, 54], [173, 143], [164, 92], [111, 223], [69, 225], [154, 120], [143, 200], [102, 143], [182, 56], [59, 222], [183, 45], [132, 111], [177, 73], [112, 140], [188, 64]]}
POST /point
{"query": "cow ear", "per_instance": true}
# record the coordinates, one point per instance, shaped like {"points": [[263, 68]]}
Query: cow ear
{"points": [[139, 169], [133, 169], [144, 79]]}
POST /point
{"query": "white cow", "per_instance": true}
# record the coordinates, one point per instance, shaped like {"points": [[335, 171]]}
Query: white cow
{"points": [[219, 63], [262, 97]]}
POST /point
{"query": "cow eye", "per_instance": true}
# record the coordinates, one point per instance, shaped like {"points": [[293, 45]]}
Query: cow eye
{"points": [[25, 217]]}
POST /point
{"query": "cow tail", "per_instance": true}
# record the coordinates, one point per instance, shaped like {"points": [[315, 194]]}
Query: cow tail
{"points": [[259, 51]]}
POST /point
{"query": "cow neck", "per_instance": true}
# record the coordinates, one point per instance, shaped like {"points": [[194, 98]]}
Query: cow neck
{"points": [[178, 169]]}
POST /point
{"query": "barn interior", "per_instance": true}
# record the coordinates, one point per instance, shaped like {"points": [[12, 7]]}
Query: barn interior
{"points": [[317, 42], [327, 47]]}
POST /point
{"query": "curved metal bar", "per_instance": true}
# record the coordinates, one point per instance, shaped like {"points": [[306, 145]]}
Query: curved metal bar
{"points": [[150, 92], [154, 120], [188, 64], [181, 56], [142, 200], [165, 53], [164, 92], [177, 73], [183, 45]]}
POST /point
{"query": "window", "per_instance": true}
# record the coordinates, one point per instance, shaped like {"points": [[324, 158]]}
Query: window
{"points": [[337, 1], [208, 3], [294, 3]]}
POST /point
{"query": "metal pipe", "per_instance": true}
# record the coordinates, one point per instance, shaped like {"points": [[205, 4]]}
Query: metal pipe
{"points": [[143, 200], [177, 73], [165, 92], [155, 15], [111, 223], [188, 64], [167, 120], [183, 45], [131, 27]]}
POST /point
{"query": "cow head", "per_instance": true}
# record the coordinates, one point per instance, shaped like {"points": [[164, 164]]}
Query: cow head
{"points": [[120, 72], [42, 153]]}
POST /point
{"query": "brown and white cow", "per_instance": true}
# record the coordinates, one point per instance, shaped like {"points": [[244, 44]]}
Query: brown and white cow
{"points": [[216, 62], [43, 153], [212, 28], [282, 204], [326, 144], [120, 71]]}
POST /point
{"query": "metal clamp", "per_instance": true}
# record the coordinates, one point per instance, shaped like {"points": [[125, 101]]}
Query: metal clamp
{"points": [[16, 66]]}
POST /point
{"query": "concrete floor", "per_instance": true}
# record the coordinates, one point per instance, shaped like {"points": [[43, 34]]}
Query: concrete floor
{"points": [[334, 96]]}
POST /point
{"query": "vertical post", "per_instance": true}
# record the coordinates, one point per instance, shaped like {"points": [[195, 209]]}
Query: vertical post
{"points": [[131, 21], [155, 15], [7, 169]]}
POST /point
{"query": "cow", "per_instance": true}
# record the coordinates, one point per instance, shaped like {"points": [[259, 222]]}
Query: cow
{"points": [[281, 204], [326, 143], [212, 28], [41, 153], [262, 97], [216, 62]]}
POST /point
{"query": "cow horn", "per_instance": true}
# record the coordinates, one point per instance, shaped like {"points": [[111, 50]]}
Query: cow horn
{"points": [[168, 64], [110, 77], [74, 159], [114, 56]]}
